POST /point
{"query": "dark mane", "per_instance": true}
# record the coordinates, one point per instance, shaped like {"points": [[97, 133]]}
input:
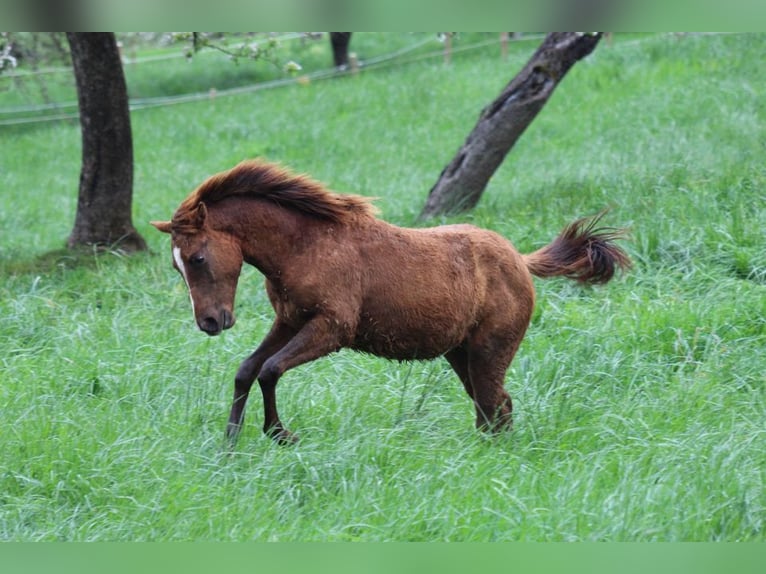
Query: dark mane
{"points": [[259, 179]]}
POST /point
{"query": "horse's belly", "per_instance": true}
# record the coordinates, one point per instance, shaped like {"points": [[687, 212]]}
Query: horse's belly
{"points": [[404, 340]]}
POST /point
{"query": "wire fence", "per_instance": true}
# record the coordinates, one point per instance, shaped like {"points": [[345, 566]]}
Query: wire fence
{"points": [[407, 55], [69, 110]]}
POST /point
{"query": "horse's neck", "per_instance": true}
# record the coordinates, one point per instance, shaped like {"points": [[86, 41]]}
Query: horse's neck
{"points": [[267, 234]]}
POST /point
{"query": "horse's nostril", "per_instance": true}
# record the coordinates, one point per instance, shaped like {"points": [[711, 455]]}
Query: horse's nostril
{"points": [[227, 319], [210, 326]]}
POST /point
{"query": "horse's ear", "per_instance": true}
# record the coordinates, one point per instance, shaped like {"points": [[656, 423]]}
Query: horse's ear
{"points": [[163, 226], [200, 215]]}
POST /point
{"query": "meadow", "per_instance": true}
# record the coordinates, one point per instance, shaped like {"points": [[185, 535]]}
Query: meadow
{"points": [[640, 406]]}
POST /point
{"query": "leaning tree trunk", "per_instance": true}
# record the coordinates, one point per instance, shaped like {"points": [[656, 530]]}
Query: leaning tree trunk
{"points": [[500, 124], [339, 42], [106, 177]]}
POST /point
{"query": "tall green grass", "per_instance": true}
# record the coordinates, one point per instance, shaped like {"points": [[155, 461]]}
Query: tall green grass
{"points": [[640, 406]]}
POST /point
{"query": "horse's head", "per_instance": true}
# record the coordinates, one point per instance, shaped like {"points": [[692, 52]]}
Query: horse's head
{"points": [[210, 261]]}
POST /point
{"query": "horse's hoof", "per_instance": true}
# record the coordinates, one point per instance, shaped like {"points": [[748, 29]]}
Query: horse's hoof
{"points": [[285, 438], [282, 436], [232, 432]]}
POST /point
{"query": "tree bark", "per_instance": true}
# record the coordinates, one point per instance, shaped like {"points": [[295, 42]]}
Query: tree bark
{"points": [[106, 178], [339, 42], [501, 123]]}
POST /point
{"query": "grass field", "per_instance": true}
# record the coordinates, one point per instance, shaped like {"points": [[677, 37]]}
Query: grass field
{"points": [[640, 406]]}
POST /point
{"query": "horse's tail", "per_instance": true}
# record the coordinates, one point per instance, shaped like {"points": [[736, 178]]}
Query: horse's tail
{"points": [[582, 252]]}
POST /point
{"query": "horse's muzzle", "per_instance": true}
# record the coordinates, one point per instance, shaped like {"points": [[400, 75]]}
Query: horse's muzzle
{"points": [[214, 325]]}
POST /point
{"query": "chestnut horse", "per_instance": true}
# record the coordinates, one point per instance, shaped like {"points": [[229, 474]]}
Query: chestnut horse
{"points": [[337, 276]]}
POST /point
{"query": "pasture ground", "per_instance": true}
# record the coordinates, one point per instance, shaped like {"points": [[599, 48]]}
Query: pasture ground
{"points": [[640, 407]]}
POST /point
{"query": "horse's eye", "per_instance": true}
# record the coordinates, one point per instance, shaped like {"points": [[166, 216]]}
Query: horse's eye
{"points": [[197, 259]]}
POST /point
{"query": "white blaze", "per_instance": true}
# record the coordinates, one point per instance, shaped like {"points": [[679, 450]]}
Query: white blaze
{"points": [[182, 269]]}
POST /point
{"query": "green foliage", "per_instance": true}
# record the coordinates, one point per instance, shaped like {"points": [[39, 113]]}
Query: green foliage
{"points": [[640, 406]]}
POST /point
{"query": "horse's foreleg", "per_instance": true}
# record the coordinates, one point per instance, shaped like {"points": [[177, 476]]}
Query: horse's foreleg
{"points": [[277, 337], [315, 339]]}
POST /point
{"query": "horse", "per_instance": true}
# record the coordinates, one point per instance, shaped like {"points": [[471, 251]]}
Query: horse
{"points": [[337, 276]]}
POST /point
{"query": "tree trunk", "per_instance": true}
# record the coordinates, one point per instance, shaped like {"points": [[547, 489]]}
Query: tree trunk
{"points": [[339, 42], [500, 124], [106, 177]]}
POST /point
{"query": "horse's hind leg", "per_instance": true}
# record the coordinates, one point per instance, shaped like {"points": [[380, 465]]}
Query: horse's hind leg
{"points": [[487, 365], [483, 376], [493, 403], [458, 360], [277, 337]]}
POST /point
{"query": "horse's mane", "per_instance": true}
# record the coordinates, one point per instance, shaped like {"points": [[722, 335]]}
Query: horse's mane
{"points": [[260, 179]]}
